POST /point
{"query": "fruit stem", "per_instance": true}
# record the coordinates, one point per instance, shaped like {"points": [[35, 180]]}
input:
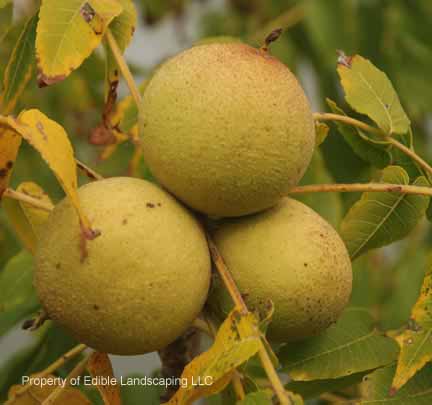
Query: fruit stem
{"points": [[77, 371], [360, 187], [239, 302], [273, 376], [75, 351], [368, 128], [90, 173], [238, 386], [17, 195], [226, 277], [124, 68]]}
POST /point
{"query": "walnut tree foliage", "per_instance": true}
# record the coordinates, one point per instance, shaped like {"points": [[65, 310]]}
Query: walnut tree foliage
{"points": [[366, 62]]}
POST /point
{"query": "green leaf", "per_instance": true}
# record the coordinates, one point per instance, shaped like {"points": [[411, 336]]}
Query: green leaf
{"points": [[138, 394], [6, 11], [328, 205], [348, 347], [406, 279], [20, 67], [313, 389], [369, 91], [52, 342], [380, 218], [376, 388], [416, 340], [18, 298], [257, 398], [368, 147], [122, 27]]}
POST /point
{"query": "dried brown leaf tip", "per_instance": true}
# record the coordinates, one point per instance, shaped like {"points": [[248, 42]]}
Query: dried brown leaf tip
{"points": [[103, 134], [343, 59], [272, 37]]}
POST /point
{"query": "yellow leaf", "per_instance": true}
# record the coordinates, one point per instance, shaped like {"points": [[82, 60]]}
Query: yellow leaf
{"points": [[416, 340], [67, 33], [26, 219], [38, 392], [51, 141], [237, 340], [99, 365], [10, 142]]}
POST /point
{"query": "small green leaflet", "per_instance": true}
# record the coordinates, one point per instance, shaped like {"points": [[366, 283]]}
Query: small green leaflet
{"points": [[369, 91], [348, 347], [380, 218]]}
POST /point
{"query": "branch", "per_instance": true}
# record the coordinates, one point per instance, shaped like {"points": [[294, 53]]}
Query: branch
{"points": [[239, 302], [368, 128], [348, 120], [75, 351], [409, 152], [77, 371], [17, 195], [360, 187], [90, 173], [124, 68]]}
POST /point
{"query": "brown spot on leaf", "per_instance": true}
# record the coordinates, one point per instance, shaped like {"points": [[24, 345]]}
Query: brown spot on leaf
{"points": [[3, 172], [58, 265], [125, 221], [9, 164], [96, 307], [87, 12], [41, 130], [150, 205], [44, 80]]}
